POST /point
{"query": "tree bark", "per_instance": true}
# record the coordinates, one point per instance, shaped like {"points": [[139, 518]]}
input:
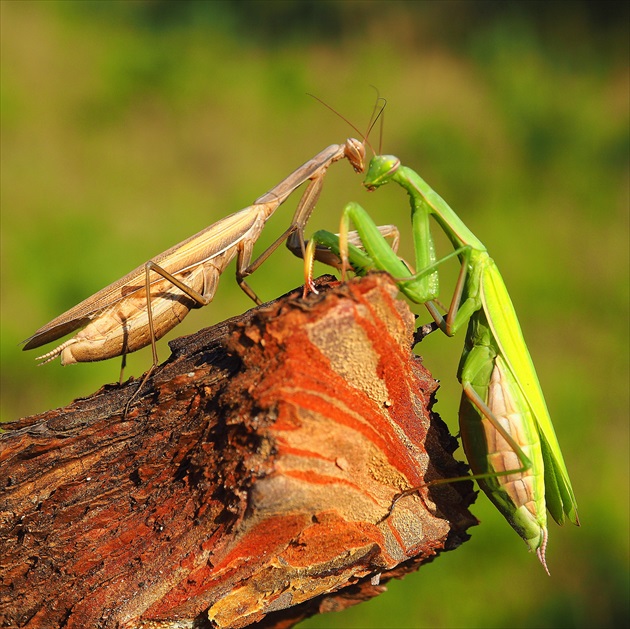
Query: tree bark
{"points": [[251, 481]]}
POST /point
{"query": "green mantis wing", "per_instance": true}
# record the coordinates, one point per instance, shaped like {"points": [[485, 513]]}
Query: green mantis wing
{"points": [[507, 333]]}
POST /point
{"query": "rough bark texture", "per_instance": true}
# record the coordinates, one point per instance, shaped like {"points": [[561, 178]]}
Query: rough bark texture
{"points": [[250, 483]]}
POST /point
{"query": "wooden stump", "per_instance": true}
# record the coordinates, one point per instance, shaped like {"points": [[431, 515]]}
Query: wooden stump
{"points": [[250, 482]]}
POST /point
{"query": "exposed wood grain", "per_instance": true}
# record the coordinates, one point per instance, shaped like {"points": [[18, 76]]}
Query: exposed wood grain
{"points": [[251, 482]]}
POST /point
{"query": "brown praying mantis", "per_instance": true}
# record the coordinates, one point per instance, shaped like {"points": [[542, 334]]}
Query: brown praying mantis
{"points": [[148, 302]]}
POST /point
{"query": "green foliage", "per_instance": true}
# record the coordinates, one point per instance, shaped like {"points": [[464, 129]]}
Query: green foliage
{"points": [[128, 126]]}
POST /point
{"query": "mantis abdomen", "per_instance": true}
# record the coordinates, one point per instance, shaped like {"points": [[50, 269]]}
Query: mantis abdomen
{"points": [[503, 450], [123, 327]]}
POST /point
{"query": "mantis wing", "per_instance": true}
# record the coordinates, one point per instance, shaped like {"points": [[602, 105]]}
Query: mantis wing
{"points": [[203, 246], [507, 332]]}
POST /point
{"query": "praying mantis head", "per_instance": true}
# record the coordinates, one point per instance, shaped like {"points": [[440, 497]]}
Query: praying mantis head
{"points": [[380, 171]]}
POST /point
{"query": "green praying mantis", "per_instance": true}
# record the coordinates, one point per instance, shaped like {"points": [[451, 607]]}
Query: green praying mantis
{"points": [[505, 426]]}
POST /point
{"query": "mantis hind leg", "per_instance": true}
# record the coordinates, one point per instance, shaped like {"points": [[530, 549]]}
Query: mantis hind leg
{"points": [[475, 399], [123, 364], [211, 279]]}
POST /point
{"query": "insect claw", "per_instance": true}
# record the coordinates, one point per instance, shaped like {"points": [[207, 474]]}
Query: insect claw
{"points": [[423, 331], [309, 287]]}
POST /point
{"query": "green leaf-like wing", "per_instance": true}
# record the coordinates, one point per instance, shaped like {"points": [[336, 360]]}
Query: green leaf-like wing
{"points": [[509, 337]]}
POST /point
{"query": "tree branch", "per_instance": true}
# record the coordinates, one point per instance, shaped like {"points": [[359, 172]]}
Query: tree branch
{"points": [[250, 482]]}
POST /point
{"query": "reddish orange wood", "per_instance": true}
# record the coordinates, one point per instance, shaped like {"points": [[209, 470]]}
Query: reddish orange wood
{"points": [[252, 481]]}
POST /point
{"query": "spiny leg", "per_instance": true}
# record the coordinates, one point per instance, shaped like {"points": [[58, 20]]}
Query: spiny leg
{"points": [[210, 281]]}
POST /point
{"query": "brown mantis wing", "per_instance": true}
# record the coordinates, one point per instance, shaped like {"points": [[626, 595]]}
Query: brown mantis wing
{"points": [[203, 246]]}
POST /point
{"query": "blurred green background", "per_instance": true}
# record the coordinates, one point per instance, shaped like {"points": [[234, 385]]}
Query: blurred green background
{"points": [[128, 126]]}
